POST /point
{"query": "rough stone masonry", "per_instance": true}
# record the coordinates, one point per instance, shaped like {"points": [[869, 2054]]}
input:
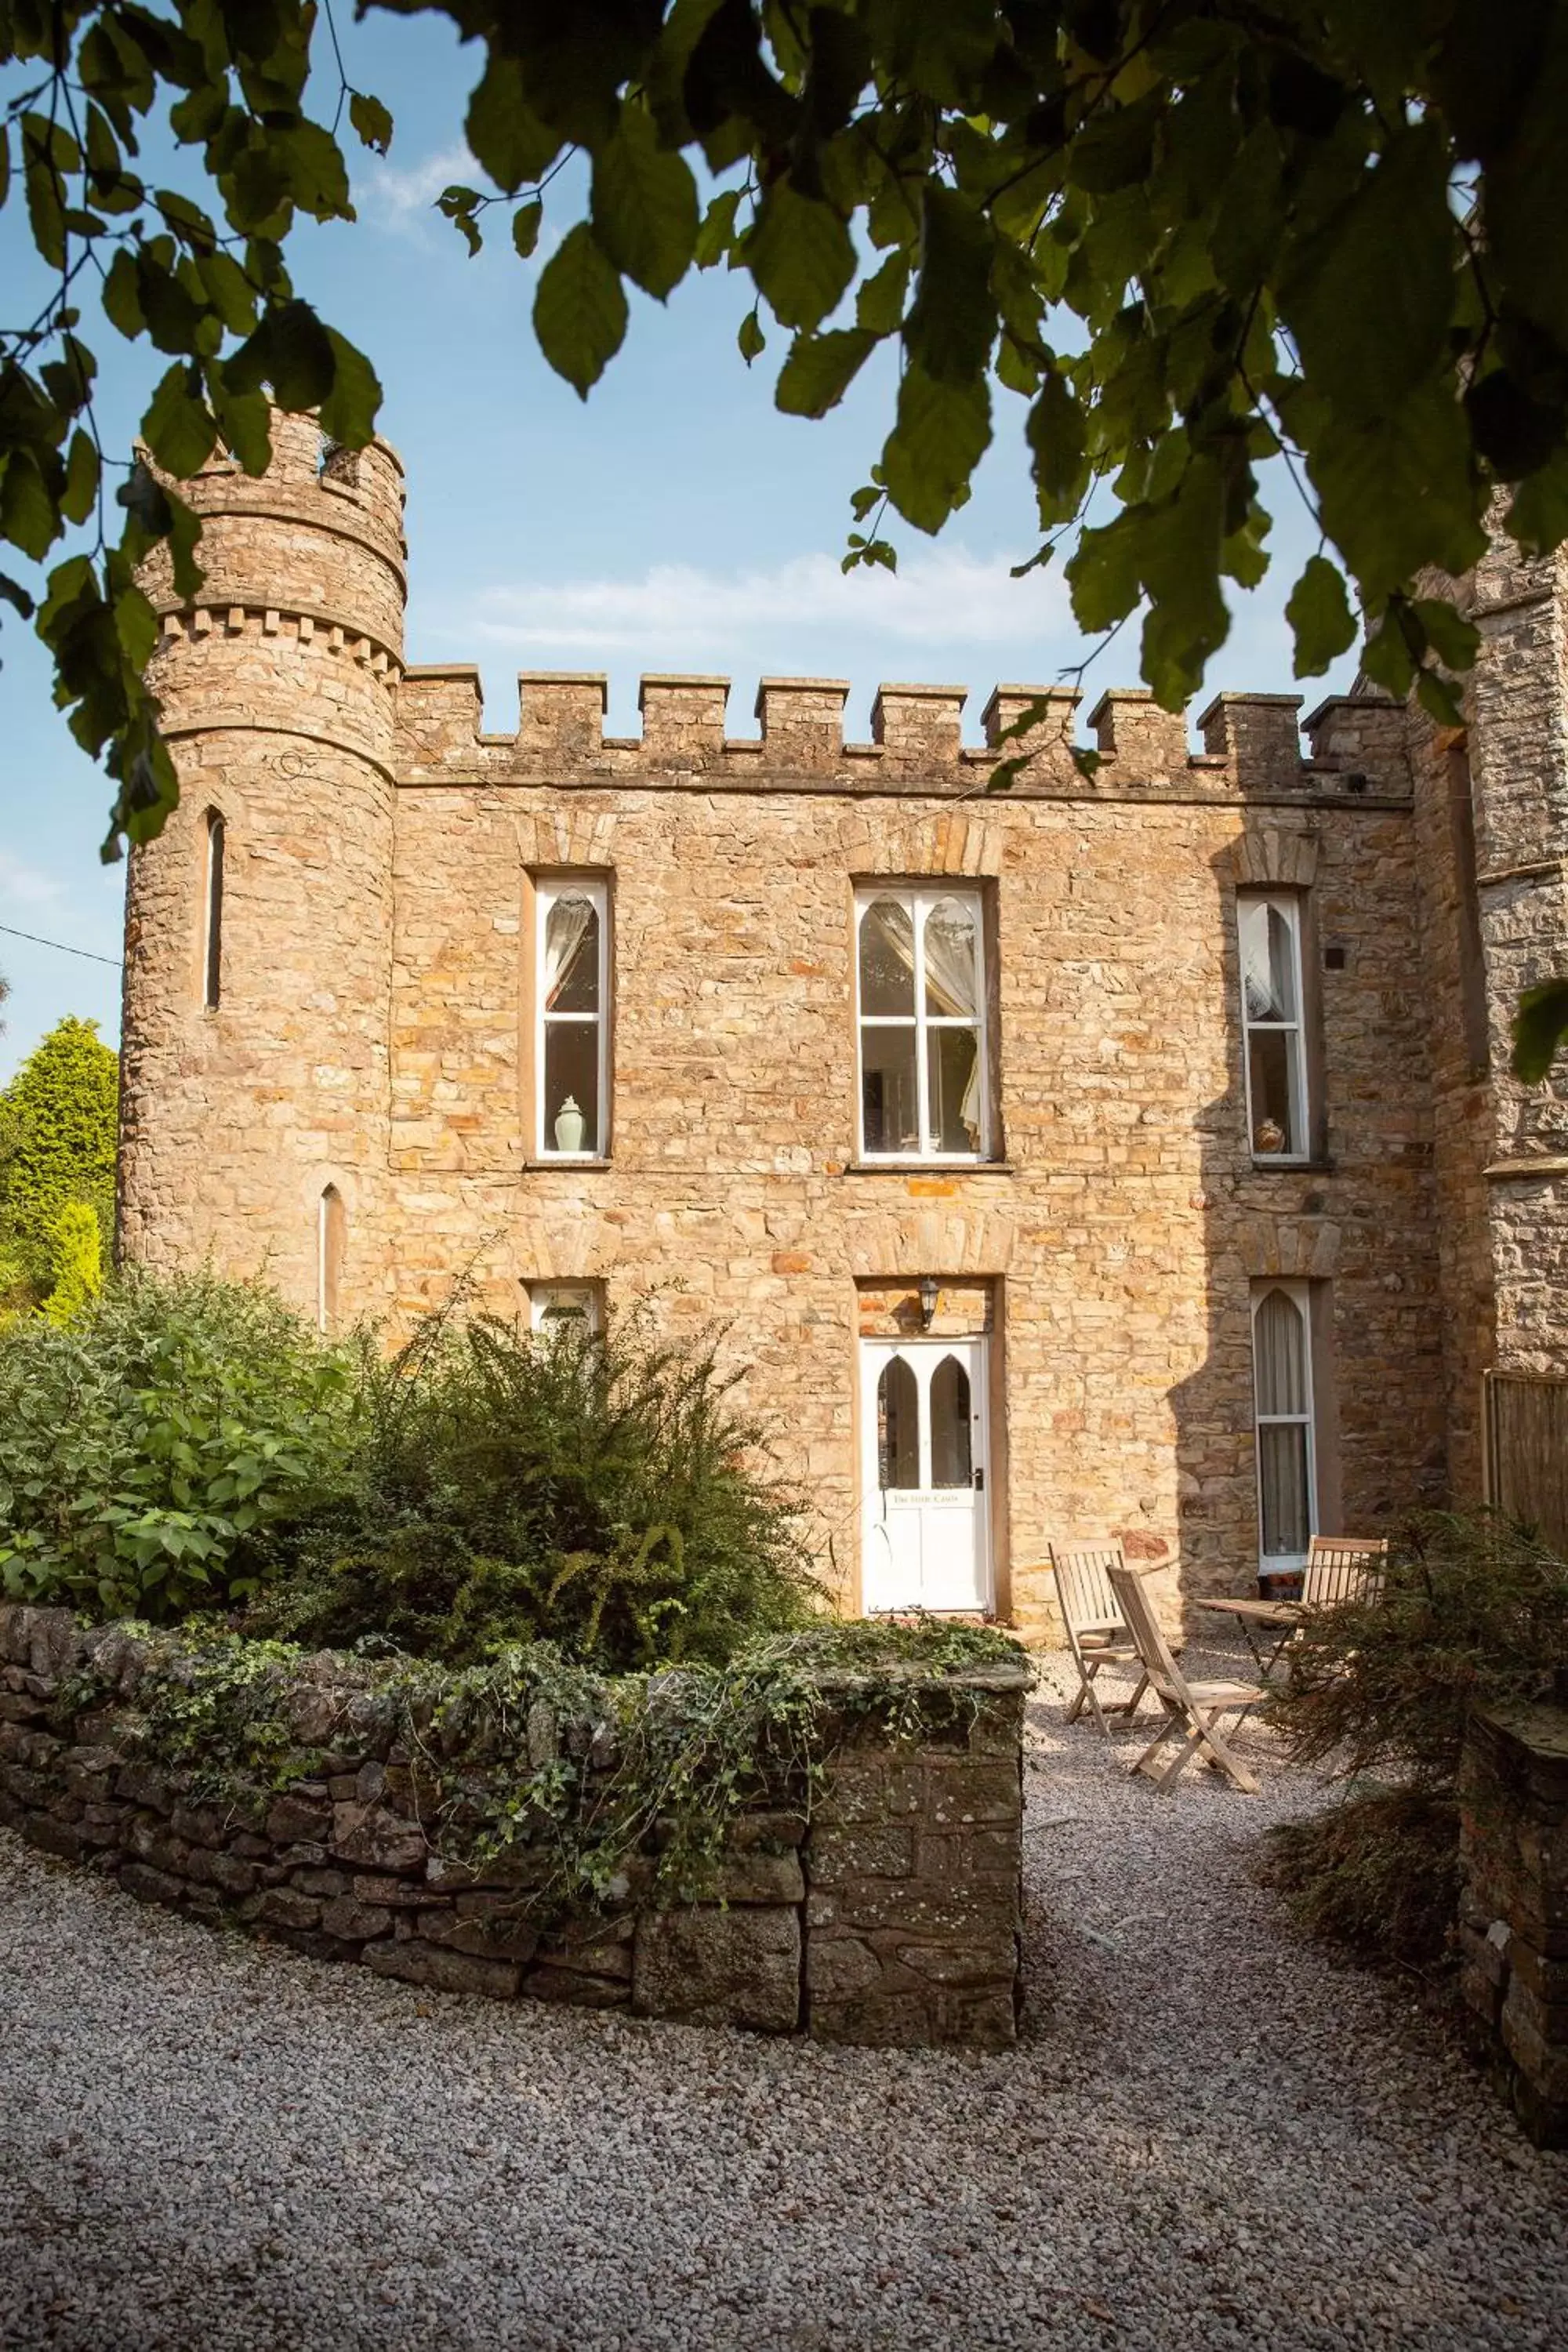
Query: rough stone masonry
{"points": [[346, 1091], [887, 1911]]}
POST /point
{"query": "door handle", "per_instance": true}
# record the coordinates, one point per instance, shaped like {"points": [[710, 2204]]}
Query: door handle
{"points": [[980, 1481]]}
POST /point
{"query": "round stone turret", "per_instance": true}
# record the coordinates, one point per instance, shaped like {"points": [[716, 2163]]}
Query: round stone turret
{"points": [[255, 1099]]}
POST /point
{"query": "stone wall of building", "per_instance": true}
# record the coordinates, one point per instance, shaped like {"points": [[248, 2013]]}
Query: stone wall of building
{"points": [[1513, 1930], [888, 1912], [376, 1032]]}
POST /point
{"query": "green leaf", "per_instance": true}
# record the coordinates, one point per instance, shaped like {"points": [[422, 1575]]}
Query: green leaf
{"points": [[121, 297], [503, 132], [1454, 640], [526, 223], [1055, 439], [800, 255], [1370, 298], [350, 410], [951, 324], [1539, 1028], [1399, 493], [371, 121], [80, 493], [820, 370], [28, 516], [178, 428], [579, 311], [644, 206], [1318, 611], [942, 433], [879, 303], [718, 230], [750, 339]]}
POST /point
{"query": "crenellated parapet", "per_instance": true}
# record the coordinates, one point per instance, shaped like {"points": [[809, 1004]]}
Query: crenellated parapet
{"points": [[1251, 742]]}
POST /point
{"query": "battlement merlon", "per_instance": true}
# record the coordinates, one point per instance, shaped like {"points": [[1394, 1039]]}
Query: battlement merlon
{"points": [[1252, 742]]}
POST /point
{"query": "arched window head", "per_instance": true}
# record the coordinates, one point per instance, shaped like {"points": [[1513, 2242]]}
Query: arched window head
{"points": [[331, 1236], [212, 912]]}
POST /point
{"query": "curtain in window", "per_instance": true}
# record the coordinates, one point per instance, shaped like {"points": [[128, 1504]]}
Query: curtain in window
{"points": [[566, 928], [952, 987], [1282, 1482], [1280, 1355], [1267, 972]]}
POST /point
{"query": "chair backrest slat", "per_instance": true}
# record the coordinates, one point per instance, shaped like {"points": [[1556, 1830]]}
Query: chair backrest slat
{"points": [[1343, 1567], [1084, 1593], [1138, 1614]]}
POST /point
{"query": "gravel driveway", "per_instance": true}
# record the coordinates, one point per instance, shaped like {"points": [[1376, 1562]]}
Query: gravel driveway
{"points": [[1211, 2137]]}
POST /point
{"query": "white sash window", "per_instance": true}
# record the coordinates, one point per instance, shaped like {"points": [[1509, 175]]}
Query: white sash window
{"points": [[572, 1040], [920, 1009], [1287, 1436], [1269, 929]]}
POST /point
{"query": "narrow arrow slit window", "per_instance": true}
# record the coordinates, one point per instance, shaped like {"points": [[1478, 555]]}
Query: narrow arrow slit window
{"points": [[1269, 926], [572, 1044], [212, 912]]}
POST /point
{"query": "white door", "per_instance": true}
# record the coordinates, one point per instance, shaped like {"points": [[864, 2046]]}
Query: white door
{"points": [[925, 1470]]}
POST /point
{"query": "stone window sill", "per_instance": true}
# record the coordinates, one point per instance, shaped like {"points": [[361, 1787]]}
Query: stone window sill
{"points": [[929, 1168], [1273, 1166], [570, 1165]]}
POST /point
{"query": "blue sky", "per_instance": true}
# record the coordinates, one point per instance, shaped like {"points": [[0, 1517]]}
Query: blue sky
{"points": [[675, 522]]}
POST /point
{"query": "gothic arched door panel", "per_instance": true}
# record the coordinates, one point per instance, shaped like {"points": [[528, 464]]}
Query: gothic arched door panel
{"points": [[925, 1511]]}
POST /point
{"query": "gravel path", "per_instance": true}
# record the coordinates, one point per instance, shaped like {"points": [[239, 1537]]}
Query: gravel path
{"points": [[1211, 2137]]}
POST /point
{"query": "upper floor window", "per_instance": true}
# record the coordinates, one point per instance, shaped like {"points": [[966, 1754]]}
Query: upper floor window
{"points": [[212, 912], [921, 991], [1287, 1434], [1269, 928], [573, 994]]}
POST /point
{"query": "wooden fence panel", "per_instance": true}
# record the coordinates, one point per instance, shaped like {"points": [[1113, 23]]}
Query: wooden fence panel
{"points": [[1527, 1449]]}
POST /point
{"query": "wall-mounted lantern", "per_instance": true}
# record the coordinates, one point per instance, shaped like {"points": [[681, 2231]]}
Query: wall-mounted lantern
{"points": [[928, 1291]]}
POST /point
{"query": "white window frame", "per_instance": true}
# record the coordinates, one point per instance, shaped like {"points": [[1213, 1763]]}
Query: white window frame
{"points": [[548, 889], [1300, 1295], [550, 1302], [918, 899], [214, 863], [1288, 904]]}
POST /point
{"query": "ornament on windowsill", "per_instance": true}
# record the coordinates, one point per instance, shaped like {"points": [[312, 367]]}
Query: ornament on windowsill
{"points": [[570, 1126], [1269, 1136]]}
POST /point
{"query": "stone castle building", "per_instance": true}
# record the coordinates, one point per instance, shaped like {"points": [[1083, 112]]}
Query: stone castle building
{"points": [[1133, 1155]]}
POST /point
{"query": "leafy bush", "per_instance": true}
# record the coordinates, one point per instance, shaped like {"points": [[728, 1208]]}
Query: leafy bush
{"points": [[79, 1263], [600, 1492], [151, 1449], [58, 1120], [1473, 1612]]}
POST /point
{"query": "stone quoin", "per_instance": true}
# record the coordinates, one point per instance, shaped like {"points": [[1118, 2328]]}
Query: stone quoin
{"points": [[1128, 1155]]}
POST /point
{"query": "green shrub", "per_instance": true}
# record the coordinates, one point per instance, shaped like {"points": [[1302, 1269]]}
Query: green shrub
{"points": [[602, 1493], [1378, 1872], [58, 1120], [79, 1263], [152, 1449], [1473, 1612]]}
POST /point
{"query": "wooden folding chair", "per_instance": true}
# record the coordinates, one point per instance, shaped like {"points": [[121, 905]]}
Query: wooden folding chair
{"points": [[1096, 1633], [1193, 1708], [1339, 1568]]}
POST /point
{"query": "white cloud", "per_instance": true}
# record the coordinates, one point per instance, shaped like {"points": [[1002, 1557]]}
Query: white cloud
{"points": [[948, 598], [21, 885], [402, 199]]}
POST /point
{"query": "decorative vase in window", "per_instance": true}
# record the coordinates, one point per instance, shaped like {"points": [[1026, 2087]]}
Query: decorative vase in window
{"points": [[1270, 1136], [569, 1126]]}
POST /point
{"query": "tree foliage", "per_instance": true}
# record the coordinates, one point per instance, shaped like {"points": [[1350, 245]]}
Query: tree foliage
{"points": [[1186, 235], [58, 1122]]}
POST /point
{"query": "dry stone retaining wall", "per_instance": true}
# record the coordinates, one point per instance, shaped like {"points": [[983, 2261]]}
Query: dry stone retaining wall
{"points": [[1513, 1930], [890, 1916]]}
